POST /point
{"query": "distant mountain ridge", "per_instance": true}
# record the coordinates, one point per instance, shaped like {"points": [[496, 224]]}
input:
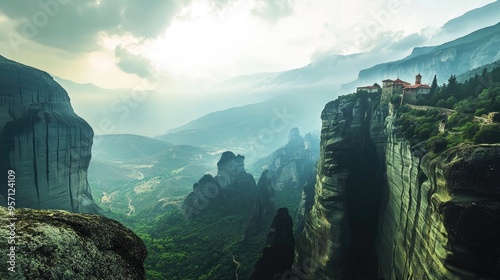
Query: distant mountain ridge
{"points": [[486, 15], [254, 130], [461, 55]]}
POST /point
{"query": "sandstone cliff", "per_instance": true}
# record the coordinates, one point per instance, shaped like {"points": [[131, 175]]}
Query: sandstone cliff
{"points": [[43, 141], [61, 245], [440, 216], [386, 210], [339, 231]]}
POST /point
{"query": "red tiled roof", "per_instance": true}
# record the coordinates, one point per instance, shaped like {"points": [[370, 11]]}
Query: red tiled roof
{"points": [[416, 86], [387, 80], [399, 81]]}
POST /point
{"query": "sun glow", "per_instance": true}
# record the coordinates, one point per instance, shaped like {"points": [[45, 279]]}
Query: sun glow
{"points": [[201, 40]]}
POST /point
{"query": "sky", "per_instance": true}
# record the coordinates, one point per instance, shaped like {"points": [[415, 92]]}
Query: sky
{"points": [[172, 43]]}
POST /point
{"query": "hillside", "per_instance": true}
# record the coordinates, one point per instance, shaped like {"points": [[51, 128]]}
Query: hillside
{"points": [[254, 130], [463, 54], [132, 174]]}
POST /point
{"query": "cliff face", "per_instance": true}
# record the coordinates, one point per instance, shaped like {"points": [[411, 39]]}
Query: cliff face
{"points": [[383, 209], [339, 232], [440, 216], [43, 141], [62, 245]]}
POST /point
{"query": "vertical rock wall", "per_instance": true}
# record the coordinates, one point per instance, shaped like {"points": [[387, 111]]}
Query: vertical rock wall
{"points": [[43, 141], [384, 209], [339, 234], [440, 217]]}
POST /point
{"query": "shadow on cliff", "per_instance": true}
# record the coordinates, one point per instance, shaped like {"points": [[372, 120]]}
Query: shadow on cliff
{"points": [[363, 192]]}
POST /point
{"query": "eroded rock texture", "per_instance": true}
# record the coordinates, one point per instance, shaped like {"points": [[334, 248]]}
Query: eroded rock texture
{"points": [[338, 240], [276, 259], [53, 244], [386, 210], [440, 217], [43, 141]]}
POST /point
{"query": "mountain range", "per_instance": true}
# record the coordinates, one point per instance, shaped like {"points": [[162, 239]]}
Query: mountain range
{"points": [[461, 55]]}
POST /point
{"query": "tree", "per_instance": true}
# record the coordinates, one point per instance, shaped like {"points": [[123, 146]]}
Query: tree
{"points": [[488, 134], [434, 86]]}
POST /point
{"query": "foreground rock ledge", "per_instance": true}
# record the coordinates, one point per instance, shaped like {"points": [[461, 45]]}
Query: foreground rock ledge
{"points": [[63, 245]]}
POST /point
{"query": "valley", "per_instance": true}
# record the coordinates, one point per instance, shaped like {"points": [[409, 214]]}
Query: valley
{"points": [[212, 140]]}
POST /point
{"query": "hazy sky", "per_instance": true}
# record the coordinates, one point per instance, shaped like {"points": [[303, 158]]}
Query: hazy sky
{"points": [[131, 43]]}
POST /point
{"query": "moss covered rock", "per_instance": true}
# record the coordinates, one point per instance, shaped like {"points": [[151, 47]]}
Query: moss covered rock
{"points": [[63, 245]]}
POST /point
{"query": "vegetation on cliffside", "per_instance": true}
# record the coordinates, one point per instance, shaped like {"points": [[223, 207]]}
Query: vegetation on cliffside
{"points": [[454, 113]]}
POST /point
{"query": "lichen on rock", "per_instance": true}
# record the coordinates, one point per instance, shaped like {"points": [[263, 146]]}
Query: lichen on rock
{"points": [[52, 244]]}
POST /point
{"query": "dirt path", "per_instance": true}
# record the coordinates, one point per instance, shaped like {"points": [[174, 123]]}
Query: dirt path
{"points": [[237, 266]]}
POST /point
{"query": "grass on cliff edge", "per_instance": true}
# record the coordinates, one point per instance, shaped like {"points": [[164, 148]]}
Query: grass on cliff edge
{"points": [[465, 123]]}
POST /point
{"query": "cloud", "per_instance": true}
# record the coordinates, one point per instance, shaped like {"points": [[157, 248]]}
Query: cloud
{"points": [[133, 64], [273, 10], [74, 25]]}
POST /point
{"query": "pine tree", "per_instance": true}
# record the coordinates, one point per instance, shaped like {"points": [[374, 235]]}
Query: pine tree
{"points": [[434, 86]]}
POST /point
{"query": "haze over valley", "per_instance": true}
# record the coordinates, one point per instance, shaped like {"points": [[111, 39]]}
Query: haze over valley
{"points": [[257, 140]]}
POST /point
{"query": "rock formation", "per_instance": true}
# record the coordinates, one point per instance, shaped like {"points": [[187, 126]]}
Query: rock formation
{"points": [[263, 208], [291, 165], [53, 244], [306, 203], [276, 259], [339, 232], [43, 141], [292, 171], [384, 209], [440, 216], [233, 190]]}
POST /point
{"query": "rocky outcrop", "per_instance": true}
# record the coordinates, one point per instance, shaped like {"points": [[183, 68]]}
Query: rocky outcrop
{"points": [[384, 209], [62, 245], [43, 141], [440, 216], [231, 191], [263, 208], [291, 165], [292, 172], [276, 259]]}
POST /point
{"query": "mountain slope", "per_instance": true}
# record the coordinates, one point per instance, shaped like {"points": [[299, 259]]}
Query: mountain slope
{"points": [[126, 146], [474, 50], [474, 19], [256, 129]]}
